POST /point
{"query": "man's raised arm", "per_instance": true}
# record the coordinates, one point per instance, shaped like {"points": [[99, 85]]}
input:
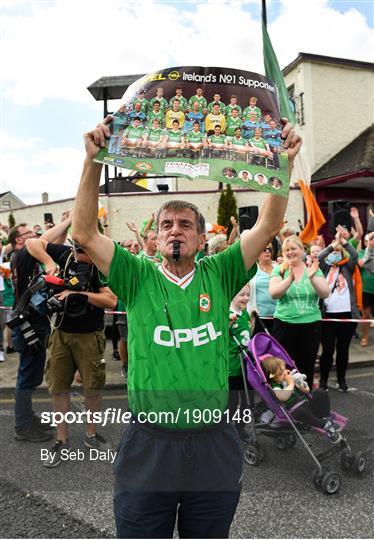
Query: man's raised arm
{"points": [[85, 230], [273, 209]]}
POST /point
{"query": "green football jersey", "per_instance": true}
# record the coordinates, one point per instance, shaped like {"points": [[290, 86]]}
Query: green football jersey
{"points": [[238, 142], [229, 109], [259, 143], [154, 134], [248, 110], [157, 258], [178, 338], [182, 102], [133, 132], [214, 139], [241, 331], [232, 124], [201, 101], [159, 116], [193, 137], [174, 136], [163, 103], [222, 106]]}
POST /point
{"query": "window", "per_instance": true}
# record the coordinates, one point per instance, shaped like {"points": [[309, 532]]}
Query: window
{"points": [[297, 104], [301, 117]]}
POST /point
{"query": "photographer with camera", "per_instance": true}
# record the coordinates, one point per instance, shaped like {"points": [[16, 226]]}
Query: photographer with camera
{"points": [[30, 327], [77, 341]]}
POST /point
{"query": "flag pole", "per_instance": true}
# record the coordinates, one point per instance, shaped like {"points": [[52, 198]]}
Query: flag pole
{"points": [[264, 19]]}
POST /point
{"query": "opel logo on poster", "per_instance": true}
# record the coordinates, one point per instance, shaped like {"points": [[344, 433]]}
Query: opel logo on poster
{"points": [[174, 75]]}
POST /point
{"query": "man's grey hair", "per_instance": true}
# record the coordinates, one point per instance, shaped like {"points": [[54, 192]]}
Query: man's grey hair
{"points": [[182, 205], [216, 242]]}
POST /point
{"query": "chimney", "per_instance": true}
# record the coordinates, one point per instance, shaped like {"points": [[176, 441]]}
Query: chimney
{"points": [[45, 197]]}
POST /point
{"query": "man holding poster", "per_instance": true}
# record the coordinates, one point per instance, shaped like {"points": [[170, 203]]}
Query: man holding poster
{"points": [[180, 457]]}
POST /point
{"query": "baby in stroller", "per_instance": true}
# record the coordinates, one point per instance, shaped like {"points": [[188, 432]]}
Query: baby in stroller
{"points": [[291, 388]]}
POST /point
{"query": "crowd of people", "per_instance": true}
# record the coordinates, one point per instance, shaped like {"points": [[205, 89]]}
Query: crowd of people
{"points": [[190, 298], [294, 286], [192, 127]]}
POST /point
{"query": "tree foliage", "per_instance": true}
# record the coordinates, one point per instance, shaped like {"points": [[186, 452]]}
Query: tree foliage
{"points": [[227, 207], [11, 221]]}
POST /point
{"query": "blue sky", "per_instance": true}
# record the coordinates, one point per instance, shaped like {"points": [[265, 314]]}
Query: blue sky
{"points": [[53, 50]]}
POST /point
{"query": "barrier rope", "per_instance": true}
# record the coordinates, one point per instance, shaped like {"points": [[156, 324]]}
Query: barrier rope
{"points": [[111, 312]]}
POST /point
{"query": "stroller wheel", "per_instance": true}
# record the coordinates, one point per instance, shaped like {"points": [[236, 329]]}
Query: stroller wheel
{"points": [[346, 460], [331, 483], [252, 455], [282, 442], [317, 477], [359, 462]]}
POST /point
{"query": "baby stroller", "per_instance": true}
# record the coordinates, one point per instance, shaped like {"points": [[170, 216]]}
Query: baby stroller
{"points": [[272, 419]]}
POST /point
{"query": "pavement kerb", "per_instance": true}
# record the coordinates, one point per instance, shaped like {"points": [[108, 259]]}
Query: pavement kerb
{"points": [[123, 386]]}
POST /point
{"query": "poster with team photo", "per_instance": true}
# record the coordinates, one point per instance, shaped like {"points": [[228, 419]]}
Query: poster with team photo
{"points": [[207, 123]]}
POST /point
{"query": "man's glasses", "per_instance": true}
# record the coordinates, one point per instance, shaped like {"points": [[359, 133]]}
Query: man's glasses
{"points": [[268, 250], [79, 250]]}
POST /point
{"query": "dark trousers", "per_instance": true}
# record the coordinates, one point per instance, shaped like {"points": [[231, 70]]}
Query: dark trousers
{"points": [[301, 341], [115, 333], [154, 514], [268, 323], [313, 411], [336, 336], [237, 400], [189, 476], [29, 376]]}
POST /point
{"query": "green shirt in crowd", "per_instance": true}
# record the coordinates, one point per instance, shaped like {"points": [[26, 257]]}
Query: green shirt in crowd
{"points": [[366, 276], [240, 329], [294, 397], [299, 304]]}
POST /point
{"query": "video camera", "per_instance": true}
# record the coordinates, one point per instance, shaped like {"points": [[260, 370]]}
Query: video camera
{"points": [[40, 295], [77, 279], [40, 298]]}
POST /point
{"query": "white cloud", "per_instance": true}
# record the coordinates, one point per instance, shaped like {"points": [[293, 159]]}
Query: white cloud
{"points": [[314, 27], [57, 49], [8, 142], [39, 169]]}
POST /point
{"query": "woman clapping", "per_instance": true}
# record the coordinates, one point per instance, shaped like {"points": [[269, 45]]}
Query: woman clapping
{"points": [[297, 318]]}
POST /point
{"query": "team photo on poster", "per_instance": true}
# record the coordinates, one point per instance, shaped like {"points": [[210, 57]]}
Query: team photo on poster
{"points": [[201, 123]]}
